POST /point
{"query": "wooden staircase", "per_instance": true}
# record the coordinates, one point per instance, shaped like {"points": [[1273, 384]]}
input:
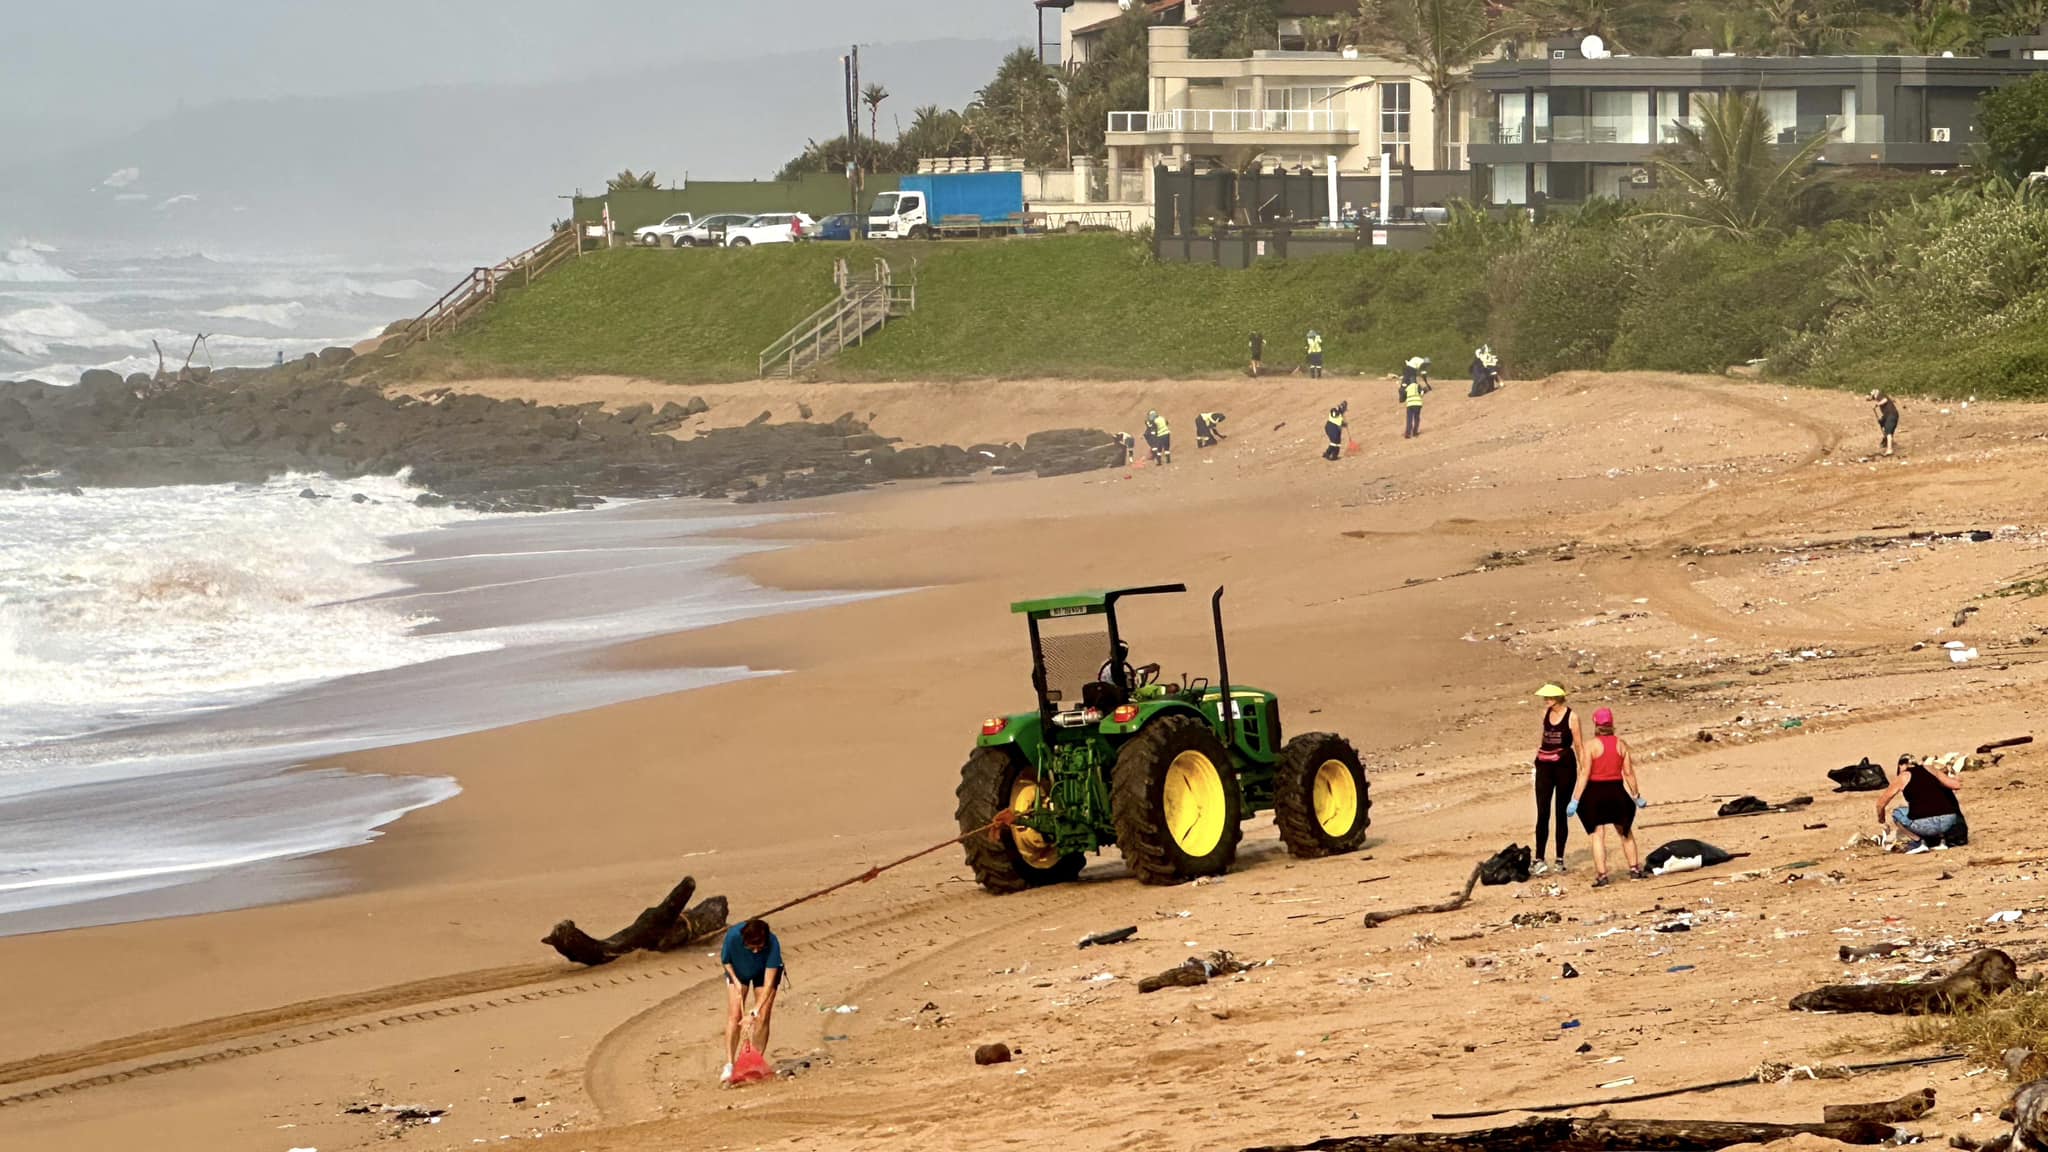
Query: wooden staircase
{"points": [[867, 301], [480, 287]]}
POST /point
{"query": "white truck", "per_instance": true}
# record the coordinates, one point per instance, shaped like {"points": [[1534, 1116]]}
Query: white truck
{"points": [[671, 230]]}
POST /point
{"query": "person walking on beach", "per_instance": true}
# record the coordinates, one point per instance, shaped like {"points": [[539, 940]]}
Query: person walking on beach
{"points": [[1258, 353], [752, 958], [751, 955], [1608, 796], [1158, 437], [1208, 430], [1315, 354], [1559, 761], [1334, 429], [1887, 417], [1931, 812], [1414, 382]]}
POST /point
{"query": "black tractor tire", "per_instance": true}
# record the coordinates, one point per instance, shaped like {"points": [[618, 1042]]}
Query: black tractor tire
{"points": [[986, 783], [1138, 802], [1305, 828]]}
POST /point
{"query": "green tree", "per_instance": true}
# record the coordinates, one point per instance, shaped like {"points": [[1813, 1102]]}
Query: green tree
{"points": [[833, 155], [1113, 80], [628, 179], [1440, 39], [1929, 29], [872, 96], [2014, 120], [1232, 29], [1733, 177], [1807, 27], [1019, 112], [2013, 17], [1633, 26], [933, 132]]}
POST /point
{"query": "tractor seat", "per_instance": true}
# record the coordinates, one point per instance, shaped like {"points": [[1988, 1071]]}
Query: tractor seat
{"points": [[1102, 696]]}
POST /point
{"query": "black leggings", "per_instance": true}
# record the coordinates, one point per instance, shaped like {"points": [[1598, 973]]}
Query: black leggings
{"points": [[1554, 784]]}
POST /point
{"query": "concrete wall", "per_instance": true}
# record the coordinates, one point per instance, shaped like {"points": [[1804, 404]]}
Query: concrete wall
{"points": [[819, 193]]}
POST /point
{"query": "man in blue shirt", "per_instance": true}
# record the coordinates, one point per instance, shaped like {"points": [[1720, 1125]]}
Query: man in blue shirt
{"points": [[752, 958]]}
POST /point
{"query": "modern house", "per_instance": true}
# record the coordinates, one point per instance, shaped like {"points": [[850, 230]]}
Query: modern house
{"points": [[1291, 109], [1566, 126]]}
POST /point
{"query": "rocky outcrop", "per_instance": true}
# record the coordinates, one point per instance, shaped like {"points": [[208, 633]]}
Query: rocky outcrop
{"points": [[470, 450]]}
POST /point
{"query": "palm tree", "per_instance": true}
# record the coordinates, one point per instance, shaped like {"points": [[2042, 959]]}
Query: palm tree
{"points": [[1626, 25], [628, 179], [1809, 27], [1737, 180], [1931, 29], [2016, 17], [1440, 39], [872, 96]]}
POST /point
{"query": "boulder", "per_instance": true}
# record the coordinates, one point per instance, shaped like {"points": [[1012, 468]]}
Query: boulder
{"points": [[335, 357], [99, 379]]}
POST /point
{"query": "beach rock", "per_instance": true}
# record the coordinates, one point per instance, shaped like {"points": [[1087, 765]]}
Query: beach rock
{"points": [[992, 1054], [97, 378], [336, 356]]}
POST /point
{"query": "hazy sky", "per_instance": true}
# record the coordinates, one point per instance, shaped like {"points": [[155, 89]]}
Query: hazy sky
{"points": [[100, 66]]}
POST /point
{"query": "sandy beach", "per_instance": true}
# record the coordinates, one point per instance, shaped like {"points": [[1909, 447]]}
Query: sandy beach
{"points": [[1709, 557]]}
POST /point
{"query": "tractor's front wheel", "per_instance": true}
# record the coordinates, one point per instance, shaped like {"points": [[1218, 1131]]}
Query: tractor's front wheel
{"points": [[1320, 797], [1008, 859], [1174, 797]]}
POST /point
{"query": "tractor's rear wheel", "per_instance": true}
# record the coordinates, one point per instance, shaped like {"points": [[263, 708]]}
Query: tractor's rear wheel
{"points": [[1175, 799], [1010, 859], [1320, 797]]}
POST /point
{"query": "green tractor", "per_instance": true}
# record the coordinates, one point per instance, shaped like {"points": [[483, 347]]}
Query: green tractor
{"points": [[1164, 771]]}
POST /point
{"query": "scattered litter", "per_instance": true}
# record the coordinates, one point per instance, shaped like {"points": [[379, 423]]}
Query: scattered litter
{"points": [[403, 1115], [1570, 973], [1583, 1049], [1102, 978], [2010, 916], [1675, 926], [1114, 936], [847, 1009], [1569, 1024], [1679, 968], [1482, 963], [1201, 881], [1624, 1082], [992, 1054], [1793, 722]]}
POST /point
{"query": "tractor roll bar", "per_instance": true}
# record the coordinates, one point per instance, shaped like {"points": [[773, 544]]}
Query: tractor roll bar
{"points": [[1223, 671]]}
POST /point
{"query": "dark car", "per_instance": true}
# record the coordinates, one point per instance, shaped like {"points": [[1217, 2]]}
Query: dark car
{"points": [[844, 226]]}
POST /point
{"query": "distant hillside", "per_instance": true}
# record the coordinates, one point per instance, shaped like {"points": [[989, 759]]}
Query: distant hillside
{"points": [[471, 172]]}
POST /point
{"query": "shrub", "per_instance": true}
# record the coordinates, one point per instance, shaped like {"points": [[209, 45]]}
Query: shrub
{"points": [[1710, 302]]}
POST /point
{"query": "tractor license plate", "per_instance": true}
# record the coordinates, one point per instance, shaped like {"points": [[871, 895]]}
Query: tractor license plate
{"points": [[1078, 610]]}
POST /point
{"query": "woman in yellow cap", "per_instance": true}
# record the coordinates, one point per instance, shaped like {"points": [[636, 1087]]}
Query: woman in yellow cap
{"points": [[1558, 765]]}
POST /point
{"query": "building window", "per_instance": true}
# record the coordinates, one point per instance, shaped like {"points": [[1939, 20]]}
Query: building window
{"points": [[1394, 110], [1510, 183]]}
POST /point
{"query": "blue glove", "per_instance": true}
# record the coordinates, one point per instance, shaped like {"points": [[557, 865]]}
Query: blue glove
{"points": [[1572, 809], [1642, 803]]}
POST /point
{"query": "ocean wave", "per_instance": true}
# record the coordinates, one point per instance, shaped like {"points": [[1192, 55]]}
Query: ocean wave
{"points": [[25, 263], [121, 605], [340, 287], [284, 315], [34, 331]]}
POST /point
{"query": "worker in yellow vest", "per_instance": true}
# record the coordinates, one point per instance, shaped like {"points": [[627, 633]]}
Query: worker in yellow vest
{"points": [[1334, 429], [1315, 354], [1159, 437], [1414, 383], [1208, 429]]}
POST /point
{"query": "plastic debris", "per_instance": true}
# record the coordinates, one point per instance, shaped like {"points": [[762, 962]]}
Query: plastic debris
{"points": [[1624, 1082], [1570, 973], [2009, 916], [1680, 968], [847, 1009], [1569, 1024], [1114, 936]]}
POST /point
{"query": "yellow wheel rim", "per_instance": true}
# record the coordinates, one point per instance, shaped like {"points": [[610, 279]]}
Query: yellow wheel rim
{"points": [[1194, 803], [1336, 798], [1032, 845]]}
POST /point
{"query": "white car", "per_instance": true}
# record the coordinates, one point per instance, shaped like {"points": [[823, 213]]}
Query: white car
{"points": [[710, 230], [671, 230], [774, 228]]}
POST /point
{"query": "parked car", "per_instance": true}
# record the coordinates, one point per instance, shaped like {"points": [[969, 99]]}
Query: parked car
{"points": [[710, 231], [844, 226], [773, 228], [671, 230]]}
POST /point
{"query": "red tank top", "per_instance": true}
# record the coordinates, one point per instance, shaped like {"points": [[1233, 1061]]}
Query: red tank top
{"points": [[1607, 762]]}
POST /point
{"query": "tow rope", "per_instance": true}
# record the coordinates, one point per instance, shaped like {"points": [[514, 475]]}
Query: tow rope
{"points": [[1004, 819]]}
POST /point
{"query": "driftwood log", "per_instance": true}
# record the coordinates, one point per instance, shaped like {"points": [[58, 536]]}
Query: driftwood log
{"points": [[1599, 1134], [665, 927], [1375, 919], [2029, 1112], [1911, 1106], [1981, 977]]}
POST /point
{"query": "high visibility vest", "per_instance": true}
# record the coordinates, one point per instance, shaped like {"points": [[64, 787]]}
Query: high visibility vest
{"points": [[1412, 393], [1212, 419], [1336, 418], [1159, 426], [1315, 343]]}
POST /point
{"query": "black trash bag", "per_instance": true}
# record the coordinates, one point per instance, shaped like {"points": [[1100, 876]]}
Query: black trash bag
{"points": [[1864, 777], [1510, 865], [1743, 806], [1706, 853]]}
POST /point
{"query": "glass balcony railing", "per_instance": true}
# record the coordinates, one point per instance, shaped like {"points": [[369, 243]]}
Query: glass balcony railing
{"points": [[1231, 120], [1620, 130]]}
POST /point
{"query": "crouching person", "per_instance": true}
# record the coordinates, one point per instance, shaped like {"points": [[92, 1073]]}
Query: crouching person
{"points": [[1931, 812]]}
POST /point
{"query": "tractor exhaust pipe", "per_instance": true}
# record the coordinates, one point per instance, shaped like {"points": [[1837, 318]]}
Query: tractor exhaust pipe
{"points": [[1224, 703]]}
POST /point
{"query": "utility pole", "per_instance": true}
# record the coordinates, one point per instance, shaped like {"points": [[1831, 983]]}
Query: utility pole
{"points": [[852, 63]]}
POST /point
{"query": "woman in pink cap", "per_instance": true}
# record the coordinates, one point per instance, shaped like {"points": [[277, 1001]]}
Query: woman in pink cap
{"points": [[1609, 795]]}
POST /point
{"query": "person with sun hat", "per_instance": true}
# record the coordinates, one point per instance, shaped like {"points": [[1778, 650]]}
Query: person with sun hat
{"points": [[1559, 763]]}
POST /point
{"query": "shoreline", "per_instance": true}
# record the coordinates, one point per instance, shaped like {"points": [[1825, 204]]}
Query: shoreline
{"points": [[1409, 599]]}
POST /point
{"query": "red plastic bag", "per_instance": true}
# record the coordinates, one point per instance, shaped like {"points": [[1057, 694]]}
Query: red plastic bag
{"points": [[750, 1065]]}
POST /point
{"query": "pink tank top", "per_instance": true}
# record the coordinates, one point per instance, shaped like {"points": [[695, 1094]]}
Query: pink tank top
{"points": [[1607, 762]]}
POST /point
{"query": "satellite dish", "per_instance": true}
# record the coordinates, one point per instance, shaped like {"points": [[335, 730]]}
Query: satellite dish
{"points": [[1593, 48]]}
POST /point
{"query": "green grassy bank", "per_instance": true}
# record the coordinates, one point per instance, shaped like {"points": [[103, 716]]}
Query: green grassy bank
{"points": [[1946, 295]]}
